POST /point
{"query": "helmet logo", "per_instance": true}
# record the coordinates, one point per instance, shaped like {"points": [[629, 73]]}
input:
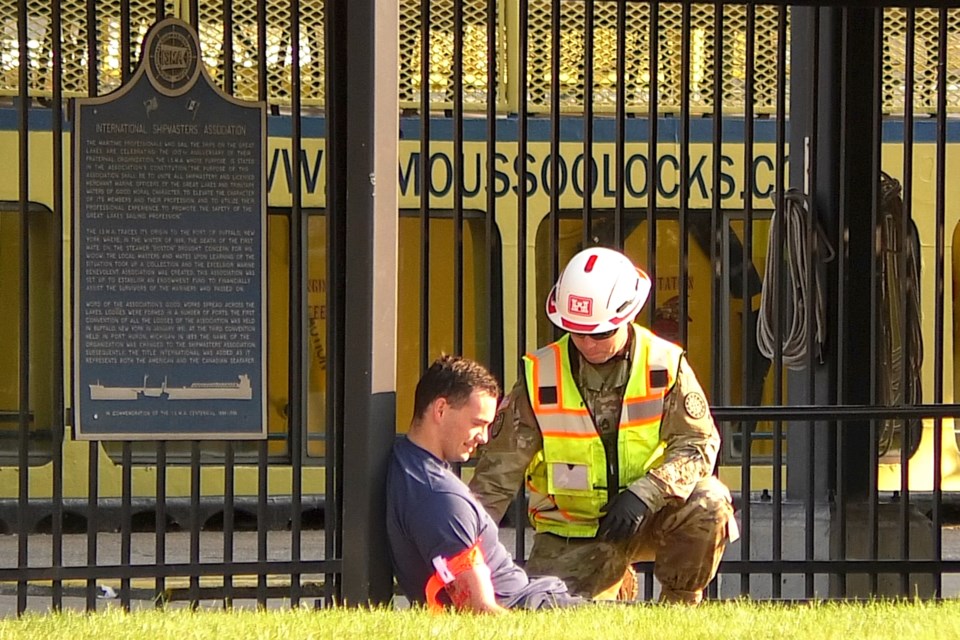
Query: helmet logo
{"points": [[579, 306]]}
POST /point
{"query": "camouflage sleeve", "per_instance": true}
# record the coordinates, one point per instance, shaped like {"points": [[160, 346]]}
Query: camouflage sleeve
{"points": [[692, 442], [514, 440]]}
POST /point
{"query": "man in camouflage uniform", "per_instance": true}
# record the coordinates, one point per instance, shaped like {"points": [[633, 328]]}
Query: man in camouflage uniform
{"points": [[611, 433]]}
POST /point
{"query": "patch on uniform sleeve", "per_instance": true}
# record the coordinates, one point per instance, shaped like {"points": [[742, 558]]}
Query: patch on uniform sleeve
{"points": [[496, 426], [695, 405], [497, 423]]}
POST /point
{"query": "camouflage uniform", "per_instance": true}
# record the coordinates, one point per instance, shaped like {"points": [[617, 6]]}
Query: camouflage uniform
{"points": [[686, 529]]}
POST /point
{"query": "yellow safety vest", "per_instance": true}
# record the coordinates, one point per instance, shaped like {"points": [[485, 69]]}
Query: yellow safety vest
{"points": [[567, 479]]}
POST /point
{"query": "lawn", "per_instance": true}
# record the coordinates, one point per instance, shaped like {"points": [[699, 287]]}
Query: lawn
{"points": [[716, 621]]}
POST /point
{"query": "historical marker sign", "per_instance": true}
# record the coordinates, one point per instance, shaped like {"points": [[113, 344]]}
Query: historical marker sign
{"points": [[169, 267]]}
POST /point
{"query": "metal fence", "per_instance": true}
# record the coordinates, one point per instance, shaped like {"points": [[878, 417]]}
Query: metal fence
{"points": [[166, 520], [838, 426]]}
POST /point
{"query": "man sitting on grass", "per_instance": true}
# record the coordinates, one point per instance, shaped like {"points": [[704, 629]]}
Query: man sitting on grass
{"points": [[445, 548]]}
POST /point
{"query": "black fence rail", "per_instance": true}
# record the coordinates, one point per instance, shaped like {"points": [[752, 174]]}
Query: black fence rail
{"points": [[783, 173]]}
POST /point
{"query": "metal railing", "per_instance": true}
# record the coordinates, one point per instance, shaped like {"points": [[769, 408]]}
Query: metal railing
{"points": [[694, 195]]}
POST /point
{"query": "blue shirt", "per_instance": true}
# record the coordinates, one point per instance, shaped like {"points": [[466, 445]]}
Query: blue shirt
{"points": [[431, 512]]}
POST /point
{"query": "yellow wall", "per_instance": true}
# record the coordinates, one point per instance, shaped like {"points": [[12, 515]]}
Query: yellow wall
{"points": [[508, 221]]}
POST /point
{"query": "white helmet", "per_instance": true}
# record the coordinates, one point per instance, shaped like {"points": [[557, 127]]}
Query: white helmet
{"points": [[597, 291]]}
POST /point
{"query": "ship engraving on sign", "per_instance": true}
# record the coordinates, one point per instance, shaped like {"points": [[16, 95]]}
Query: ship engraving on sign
{"points": [[240, 390]]}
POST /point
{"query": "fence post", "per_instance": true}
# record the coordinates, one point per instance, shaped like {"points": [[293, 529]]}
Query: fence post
{"points": [[838, 169], [363, 121], [814, 140]]}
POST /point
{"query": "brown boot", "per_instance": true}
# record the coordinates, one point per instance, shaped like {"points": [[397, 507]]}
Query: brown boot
{"points": [[629, 587]]}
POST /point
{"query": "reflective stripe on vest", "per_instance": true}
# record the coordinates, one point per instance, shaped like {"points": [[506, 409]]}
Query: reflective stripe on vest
{"points": [[567, 478]]}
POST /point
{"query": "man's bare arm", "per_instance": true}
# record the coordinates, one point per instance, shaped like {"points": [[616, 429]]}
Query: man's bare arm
{"points": [[472, 590]]}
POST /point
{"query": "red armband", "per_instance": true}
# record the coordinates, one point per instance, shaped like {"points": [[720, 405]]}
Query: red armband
{"points": [[447, 570]]}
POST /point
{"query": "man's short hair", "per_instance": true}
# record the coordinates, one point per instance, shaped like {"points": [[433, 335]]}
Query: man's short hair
{"points": [[454, 378]]}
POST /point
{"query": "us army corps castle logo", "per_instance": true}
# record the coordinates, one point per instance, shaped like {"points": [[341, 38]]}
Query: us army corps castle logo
{"points": [[173, 58]]}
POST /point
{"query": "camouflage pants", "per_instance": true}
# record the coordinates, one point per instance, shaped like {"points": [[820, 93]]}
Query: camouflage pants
{"points": [[686, 540]]}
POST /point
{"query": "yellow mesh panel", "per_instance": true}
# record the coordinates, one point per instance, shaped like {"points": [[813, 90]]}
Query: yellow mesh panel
{"points": [[925, 60], [636, 81], [74, 34], [279, 51], [736, 25], [637, 78], [441, 54]]}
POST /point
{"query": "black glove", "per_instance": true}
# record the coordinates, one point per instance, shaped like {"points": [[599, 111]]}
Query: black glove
{"points": [[623, 517]]}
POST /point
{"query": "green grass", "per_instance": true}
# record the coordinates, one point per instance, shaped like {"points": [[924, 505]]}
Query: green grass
{"points": [[716, 621]]}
